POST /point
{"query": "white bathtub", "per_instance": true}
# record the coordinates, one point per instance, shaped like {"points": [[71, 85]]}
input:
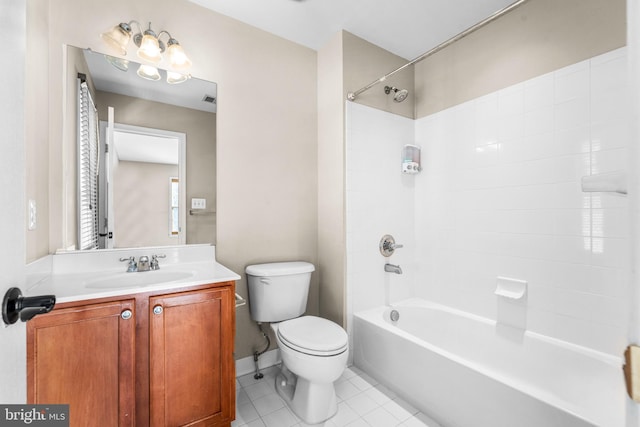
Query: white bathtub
{"points": [[466, 371]]}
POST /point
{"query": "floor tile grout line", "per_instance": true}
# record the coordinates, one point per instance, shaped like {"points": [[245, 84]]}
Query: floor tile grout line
{"points": [[362, 384]]}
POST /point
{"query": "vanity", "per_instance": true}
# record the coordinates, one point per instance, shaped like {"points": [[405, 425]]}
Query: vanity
{"points": [[151, 348], [139, 348]]}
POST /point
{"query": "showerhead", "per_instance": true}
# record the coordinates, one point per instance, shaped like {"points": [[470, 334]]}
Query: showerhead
{"points": [[399, 95]]}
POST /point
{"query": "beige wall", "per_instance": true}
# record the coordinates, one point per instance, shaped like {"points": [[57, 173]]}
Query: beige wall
{"points": [[331, 231], [364, 63], [345, 64], [266, 130], [536, 38], [37, 104], [141, 197]]}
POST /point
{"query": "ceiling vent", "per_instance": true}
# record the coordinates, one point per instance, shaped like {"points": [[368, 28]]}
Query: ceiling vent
{"points": [[210, 99]]}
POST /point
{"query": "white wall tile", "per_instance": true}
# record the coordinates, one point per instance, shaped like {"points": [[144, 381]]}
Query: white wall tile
{"points": [[608, 72], [527, 210], [500, 195], [380, 200], [511, 101], [609, 135], [612, 222], [572, 113], [538, 92], [572, 82], [605, 107], [538, 121], [486, 120]]}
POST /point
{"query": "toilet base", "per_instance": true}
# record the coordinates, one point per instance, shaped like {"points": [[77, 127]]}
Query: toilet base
{"points": [[313, 403]]}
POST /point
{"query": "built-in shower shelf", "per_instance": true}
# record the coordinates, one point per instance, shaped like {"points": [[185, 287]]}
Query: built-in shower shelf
{"points": [[513, 289], [610, 182]]}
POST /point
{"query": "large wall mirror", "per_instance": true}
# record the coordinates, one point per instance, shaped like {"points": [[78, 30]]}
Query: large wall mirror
{"points": [[152, 181]]}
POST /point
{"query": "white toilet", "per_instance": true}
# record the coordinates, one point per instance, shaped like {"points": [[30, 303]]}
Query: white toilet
{"points": [[314, 350]]}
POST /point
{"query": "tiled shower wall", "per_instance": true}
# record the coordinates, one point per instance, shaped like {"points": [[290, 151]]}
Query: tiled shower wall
{"points": [[380, 200], [500, 195]]}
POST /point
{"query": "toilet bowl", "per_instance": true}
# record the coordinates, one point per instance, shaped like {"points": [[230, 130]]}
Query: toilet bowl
{"points": [[314, 354], [314, 350]]}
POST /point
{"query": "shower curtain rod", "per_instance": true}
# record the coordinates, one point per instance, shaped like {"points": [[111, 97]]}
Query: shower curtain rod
{"points": [[351, 96]]}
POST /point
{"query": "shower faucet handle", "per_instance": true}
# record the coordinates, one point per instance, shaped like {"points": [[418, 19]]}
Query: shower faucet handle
{"points": [[388, 245]]}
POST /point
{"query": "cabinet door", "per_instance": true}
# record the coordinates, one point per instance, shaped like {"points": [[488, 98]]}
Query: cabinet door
{"points": [[84, 357], [192, 371]]}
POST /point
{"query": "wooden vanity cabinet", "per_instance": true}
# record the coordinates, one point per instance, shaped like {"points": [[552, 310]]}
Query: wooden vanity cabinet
{"points": [[169, 364], [84, 356], [192, 377]]}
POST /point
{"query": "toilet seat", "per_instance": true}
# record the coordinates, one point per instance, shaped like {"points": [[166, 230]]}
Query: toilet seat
{"points": [[314, 336]]}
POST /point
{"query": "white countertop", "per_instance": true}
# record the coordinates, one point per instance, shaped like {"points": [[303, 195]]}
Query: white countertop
{"points": [[79, 276]]}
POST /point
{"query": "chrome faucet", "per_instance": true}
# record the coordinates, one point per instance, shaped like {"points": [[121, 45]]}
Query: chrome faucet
{"points": [[154, 261], [392, 268], [143, 263], [132, 266]]}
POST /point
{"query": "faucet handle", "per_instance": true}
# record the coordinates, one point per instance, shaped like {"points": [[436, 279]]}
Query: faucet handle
{"points": [[132, 266], [388, 245], [154, 261]]}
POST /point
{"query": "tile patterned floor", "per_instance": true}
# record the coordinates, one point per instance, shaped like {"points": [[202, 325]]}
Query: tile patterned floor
{"points": [[362, 402]]}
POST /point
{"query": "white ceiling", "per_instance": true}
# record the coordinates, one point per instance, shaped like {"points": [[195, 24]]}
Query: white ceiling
{"points": [[407, 28], [189, 94], [137, 147]]}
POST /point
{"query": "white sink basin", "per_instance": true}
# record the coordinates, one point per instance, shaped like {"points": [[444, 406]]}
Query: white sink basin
{"points": [[129, 280]]}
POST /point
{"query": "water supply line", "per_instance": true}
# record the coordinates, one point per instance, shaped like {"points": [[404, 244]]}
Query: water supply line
{"points": [[257, 354], [351, 96]]}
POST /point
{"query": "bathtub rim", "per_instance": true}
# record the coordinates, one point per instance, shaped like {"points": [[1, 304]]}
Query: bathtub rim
{"points": [[378, 316], [609, 359]]}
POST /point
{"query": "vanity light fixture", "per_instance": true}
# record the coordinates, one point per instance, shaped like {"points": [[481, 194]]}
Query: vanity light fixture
{"points": [[178, 59], [150, 45], [148, 72], [119, 63], [118, 37], [175, 78]]}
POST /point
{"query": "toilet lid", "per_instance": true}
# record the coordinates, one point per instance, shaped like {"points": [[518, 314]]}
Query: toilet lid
{"points": [[313, 335]]}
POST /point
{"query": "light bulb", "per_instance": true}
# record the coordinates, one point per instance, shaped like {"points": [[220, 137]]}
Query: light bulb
{"points": [[148, 72], [175, 78], [178, 59], [117, 38], [120, 63], [150, 48]]}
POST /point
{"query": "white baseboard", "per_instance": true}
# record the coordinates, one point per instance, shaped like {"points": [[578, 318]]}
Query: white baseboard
{"points": [[246, 365]]}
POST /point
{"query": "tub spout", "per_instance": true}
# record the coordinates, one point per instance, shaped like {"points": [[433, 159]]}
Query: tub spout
{"points": [[392, 268]]}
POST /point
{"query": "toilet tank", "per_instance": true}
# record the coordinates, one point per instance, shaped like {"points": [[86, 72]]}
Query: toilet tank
{"points": [[278, 291]]}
